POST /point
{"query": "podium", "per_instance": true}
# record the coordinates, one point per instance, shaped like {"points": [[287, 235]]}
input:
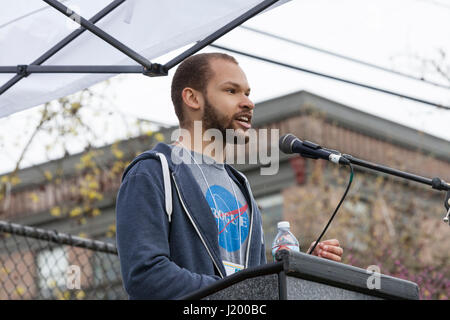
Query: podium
{"points": [[300, 276]]}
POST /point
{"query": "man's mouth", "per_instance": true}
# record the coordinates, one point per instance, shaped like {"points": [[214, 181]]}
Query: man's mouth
{"points": [[244, 121]]}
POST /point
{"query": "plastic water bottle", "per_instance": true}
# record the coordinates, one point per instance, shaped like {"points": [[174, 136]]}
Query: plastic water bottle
{"points": [[284, 239]]}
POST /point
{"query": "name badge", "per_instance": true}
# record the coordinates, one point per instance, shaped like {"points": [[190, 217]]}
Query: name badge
{"points": [[231, 268]]}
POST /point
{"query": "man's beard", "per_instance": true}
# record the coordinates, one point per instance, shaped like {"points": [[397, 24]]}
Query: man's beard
{"points": [[212, 119]]}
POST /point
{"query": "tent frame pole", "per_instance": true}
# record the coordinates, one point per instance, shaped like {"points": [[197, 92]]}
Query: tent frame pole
{"points": [[28, 69]]}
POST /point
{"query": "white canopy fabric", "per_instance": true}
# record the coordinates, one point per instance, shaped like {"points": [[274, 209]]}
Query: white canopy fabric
{"points": [[28, 28]]}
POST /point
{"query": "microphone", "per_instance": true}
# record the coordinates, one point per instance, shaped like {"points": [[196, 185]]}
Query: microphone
{"points": [[291, 144]]}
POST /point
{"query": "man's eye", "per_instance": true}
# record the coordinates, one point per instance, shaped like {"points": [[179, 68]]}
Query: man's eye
{"points": [[231, 91]]}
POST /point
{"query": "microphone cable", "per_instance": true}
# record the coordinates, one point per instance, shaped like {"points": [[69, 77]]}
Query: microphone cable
{"points": [[335, 211]]}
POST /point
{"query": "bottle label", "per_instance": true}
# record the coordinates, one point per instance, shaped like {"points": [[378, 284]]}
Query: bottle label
{"points": [[289, 247]]}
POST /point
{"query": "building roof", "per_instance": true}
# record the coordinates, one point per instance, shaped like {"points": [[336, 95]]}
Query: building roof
{"points": [[282, 107]]}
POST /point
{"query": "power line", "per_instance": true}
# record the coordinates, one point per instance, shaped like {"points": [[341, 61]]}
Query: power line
{"points": [[331, 77], [367, 64]]}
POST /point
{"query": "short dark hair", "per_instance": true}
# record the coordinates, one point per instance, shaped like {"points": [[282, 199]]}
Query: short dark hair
{"points": [[194, 72]]}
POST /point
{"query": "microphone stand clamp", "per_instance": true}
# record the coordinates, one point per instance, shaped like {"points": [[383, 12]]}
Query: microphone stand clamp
{"points": [[447, 206]]}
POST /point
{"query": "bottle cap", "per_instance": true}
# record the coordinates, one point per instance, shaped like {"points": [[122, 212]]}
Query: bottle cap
{"points": [[283, 224]]}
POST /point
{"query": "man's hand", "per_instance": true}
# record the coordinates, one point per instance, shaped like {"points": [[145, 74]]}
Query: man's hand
{"points": [[328, 249]]}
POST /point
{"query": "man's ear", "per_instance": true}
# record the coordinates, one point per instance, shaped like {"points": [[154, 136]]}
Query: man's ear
{"points": [[192, 98]]}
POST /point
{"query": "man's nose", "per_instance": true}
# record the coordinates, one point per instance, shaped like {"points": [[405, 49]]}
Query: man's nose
{"points": [[247, 103]]}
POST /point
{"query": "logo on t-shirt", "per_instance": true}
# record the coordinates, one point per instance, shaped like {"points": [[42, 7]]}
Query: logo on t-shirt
{"points": [[231, 217]]}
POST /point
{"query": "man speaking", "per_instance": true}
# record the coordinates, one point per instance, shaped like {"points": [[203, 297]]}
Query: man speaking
{"points": [[212, 226]]}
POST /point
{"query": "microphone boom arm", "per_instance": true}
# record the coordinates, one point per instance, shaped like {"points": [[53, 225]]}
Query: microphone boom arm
{"points": [[435, 183]]}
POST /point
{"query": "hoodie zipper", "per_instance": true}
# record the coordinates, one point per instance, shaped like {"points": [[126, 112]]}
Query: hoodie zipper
{"points": [[251, 223], [196, 228]]}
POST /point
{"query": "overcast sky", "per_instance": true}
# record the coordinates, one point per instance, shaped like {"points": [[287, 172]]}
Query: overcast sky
{"points": [[394, 34]]}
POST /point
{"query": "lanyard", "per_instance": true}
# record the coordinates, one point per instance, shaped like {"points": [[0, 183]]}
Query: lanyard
{"points": [[209, 188]]}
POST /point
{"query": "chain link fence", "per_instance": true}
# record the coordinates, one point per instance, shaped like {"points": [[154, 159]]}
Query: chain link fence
{"points": [[43, 264]]}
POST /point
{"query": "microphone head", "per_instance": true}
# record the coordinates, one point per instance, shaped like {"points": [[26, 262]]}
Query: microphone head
{"points": [[286, 141]]}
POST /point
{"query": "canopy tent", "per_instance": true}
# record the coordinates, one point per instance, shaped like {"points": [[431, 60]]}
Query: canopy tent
{"points": [[38, 40]]}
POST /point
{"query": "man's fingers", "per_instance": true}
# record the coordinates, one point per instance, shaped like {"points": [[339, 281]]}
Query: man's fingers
{"points": [[328, 249], [329, 255], [316, 251], [332, 249]]}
